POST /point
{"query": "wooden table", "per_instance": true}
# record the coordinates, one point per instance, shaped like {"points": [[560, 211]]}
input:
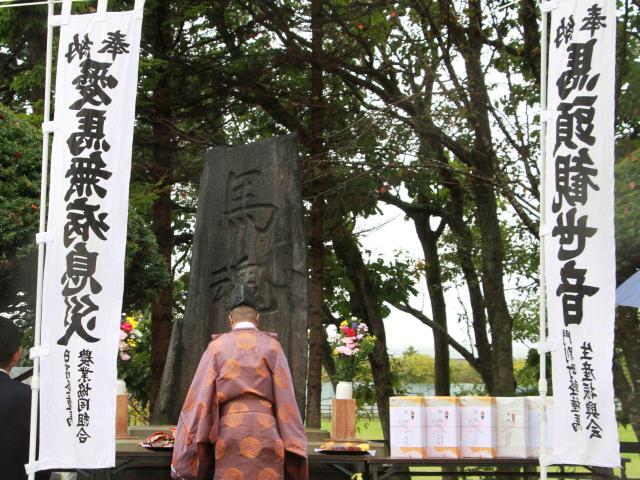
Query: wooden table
{"points": [[134, 463], [383, 468]]}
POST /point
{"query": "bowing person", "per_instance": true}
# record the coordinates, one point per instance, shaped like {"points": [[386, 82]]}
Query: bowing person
{"points": [[240, 418]]}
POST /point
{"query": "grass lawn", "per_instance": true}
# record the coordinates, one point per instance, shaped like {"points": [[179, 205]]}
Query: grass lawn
{"points": [[366, 429], [371, 430], [627, 435]]}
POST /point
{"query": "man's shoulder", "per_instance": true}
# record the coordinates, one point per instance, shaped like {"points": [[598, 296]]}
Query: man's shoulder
{"points": [[270, 334], [229, 334], [23, 388], [220, 339], [13, 387]]}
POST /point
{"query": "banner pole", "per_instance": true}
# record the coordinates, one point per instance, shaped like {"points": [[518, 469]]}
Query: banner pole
{"points": [[542, 383], [35, 380]]}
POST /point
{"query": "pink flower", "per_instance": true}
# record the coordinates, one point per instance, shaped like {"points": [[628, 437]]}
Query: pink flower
{"points": [[344, 350], [125, 356], [122, 346], [360, 336], [123, 335]]}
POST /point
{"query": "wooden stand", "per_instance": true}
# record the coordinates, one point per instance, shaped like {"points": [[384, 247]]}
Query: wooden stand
{"points": [[122, 416], [343, 420]]}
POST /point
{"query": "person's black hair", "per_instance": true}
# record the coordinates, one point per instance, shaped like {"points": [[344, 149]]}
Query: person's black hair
{"points": [[9, 341]]}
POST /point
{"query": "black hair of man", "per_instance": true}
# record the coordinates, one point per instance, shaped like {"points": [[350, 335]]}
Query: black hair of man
{"points": [[9, 341]]}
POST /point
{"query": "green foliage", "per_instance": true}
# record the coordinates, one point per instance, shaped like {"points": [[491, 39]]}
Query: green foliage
{"points": [[413, 367], [627, 123], [528, 374], [526, 318], [627, 214], [135, 372], [393, 282], [19, 213], [462, 373], [224, 73], [23, 40], [145, 270], [418, 368]]}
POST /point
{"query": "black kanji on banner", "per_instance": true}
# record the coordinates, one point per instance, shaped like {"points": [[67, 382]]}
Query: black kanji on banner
{"points": [[576, 180], [86, 221], [576, 77], [594, 20], [115, 44], [564, 32], [574, 177]]}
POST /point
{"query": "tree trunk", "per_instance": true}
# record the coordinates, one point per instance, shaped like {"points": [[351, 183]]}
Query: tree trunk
{"points": [[316, 314], [160, 173], [464, 252], [429, 241], [627, 381], [493, 288], [483, 166], [528, 17], [347, 251], [316, 233], [162, 305]]}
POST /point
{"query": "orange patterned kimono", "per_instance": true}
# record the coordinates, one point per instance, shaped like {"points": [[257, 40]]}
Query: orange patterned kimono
{"points": [[240, 417]]}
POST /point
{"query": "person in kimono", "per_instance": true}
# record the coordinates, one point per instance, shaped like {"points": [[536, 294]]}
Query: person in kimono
{"points": [[240, 418]]}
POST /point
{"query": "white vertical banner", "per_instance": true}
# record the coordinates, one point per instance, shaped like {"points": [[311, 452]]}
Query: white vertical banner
{"points": [[579, 244], [97, 72]]}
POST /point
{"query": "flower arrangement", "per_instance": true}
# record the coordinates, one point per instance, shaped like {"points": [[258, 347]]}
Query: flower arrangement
{"points": [[129, 336], [351, 344]]}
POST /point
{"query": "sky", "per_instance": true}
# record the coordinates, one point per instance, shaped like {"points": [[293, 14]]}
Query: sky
{"points": [[387, 235]]}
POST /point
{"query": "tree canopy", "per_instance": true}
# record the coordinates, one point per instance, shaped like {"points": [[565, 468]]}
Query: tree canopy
{"points": [[427, 106]]}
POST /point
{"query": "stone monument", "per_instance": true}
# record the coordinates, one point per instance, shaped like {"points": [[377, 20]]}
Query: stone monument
{"points": [[249, 228]]}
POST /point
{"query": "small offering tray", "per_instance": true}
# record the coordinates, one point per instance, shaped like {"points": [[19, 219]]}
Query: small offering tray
{"points": [[159, 441], [346, 447]]}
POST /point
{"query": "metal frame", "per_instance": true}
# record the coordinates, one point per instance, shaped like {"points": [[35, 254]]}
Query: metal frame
{"points": [[35, 381], [542, 382]]}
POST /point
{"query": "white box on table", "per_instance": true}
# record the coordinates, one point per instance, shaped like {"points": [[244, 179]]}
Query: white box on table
{"points": [[511, 427], [533, 407], [478, 429], [443, 427], [408, 422]]}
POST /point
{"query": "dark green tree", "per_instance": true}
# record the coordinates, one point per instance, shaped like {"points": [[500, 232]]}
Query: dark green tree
{"points": [[19, 214]]}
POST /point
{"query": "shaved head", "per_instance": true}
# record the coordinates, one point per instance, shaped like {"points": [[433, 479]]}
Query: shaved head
{"points": [[244, 313]]}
